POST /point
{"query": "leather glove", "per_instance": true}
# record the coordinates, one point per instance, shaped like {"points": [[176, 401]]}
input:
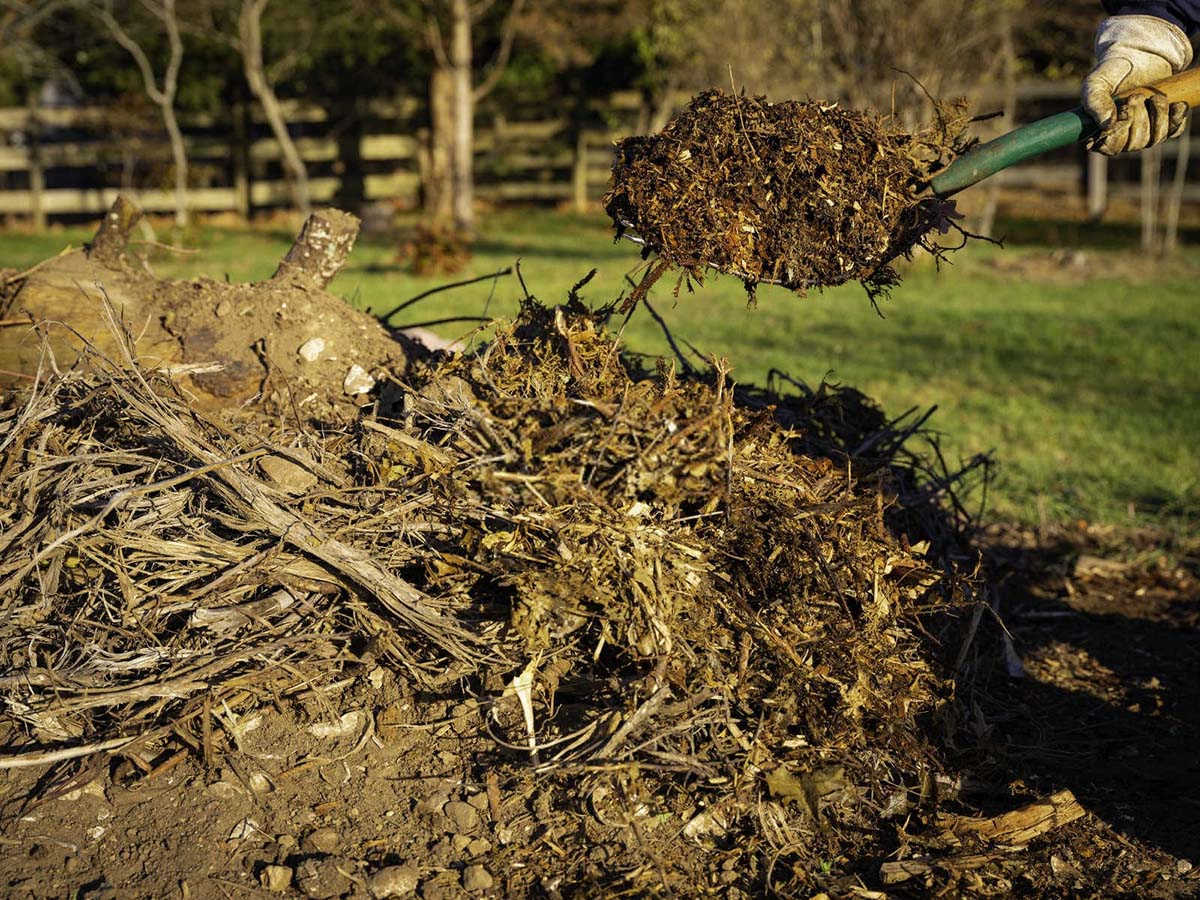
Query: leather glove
{"points": [[1131, 52]]}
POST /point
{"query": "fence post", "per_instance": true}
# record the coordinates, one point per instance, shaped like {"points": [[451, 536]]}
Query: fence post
{"points": [[1097, 186], [37, 174], [579, 174], [241, 160]]}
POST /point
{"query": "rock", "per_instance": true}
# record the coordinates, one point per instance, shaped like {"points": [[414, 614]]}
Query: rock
{"points": [[443, 886], [288, 476], [311, 350], [93, 788], [276, 879], [260, 783], [478, 847], [463, 816], [393, 881], [459, 842], [321, 879], [479, 801], [357, 381], [464, 721], [244, 830], [477, 878], [321, 840], [449, 391], [286, 845], [224, 790], [348, 723]]}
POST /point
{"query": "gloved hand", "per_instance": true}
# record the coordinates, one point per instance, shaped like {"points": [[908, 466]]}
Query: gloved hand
{"points": [[1133, 51]]}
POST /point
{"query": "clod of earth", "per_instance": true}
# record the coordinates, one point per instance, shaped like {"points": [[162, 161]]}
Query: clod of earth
{"points": [[800, 194]]}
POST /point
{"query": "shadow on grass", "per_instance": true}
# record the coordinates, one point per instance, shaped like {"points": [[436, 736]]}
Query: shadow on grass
{"points": [[1042, 232]]}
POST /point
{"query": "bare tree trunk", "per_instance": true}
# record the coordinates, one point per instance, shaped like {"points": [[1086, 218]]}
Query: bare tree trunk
{"points": [[179, 155], [250, 46], [450, 166], [439, 181], [462, 161], [240, 154], [1175, 197], [162, 95], [1008, 50]]}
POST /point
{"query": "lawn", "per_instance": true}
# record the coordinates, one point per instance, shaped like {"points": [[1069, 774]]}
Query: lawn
{"points": [[1075, 366]]}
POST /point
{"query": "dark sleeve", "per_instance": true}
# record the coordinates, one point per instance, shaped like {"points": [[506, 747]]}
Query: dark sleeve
{"points": [[1184, 13]]}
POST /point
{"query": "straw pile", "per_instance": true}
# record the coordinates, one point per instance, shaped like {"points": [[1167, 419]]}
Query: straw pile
{"points": [[712, 595], [800, 194]]}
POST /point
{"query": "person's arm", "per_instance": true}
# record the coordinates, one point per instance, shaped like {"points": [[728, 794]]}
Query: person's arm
{"points": [[1183, 14], [1140, 43]]}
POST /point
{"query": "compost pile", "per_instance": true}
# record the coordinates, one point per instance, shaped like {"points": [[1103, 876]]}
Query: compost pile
{"points": [[800, 194], [671, 596]]}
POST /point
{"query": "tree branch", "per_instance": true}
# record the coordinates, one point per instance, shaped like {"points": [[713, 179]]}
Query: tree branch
{"points": [[121, 36], [479, 9], [433, 34], [500, 61]]}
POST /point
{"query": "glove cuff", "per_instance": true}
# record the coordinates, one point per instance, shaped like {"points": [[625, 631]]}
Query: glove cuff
{"points": [[1117, 35]]}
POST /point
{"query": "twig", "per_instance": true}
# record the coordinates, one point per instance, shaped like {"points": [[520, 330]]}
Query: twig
{"points": [[25, 760], [687, 366], [445, 287]]}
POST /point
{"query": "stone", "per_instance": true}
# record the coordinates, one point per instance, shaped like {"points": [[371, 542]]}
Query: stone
{"points": [[276, 879], [321, 840], [479, 801], [311, 350], [357, 381], [321, 879], [393, 881], [478, 847], [288, 476], [477, 878], [463, 816]]}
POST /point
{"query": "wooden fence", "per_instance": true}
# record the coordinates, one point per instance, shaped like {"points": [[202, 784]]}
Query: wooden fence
{"points": [[72, 162]]}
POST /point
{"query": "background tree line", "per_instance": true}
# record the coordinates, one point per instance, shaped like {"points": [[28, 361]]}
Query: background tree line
{"points": [[190, 57]]}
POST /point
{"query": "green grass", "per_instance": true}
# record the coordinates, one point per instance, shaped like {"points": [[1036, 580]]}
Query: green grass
{"points": [[1080, 375]]}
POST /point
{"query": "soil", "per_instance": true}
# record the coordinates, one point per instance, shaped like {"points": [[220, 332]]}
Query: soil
{"points": [[1107, 707], [802, 194], [283, 339], [734, 613]]}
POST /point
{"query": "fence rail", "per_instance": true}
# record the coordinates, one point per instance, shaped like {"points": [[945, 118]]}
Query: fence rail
{"points": [[71, 162]]}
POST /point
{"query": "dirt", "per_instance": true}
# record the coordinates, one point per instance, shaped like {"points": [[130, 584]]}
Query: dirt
{"points": [[745, 622], [1107, 708], [802, 194], [283, 339]]}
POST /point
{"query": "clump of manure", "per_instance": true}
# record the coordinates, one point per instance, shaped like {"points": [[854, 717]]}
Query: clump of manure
{"points": [[800, 193]]}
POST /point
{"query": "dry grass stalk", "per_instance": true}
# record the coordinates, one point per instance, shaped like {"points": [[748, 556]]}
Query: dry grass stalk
{"points": [[722, 596]]}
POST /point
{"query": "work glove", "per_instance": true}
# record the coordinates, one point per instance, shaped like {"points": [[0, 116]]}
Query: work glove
{"points": [[1131, 52]]}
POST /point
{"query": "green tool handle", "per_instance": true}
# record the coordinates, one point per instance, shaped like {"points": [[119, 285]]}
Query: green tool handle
{"points": [[1046, 134], [1023, 143]]}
